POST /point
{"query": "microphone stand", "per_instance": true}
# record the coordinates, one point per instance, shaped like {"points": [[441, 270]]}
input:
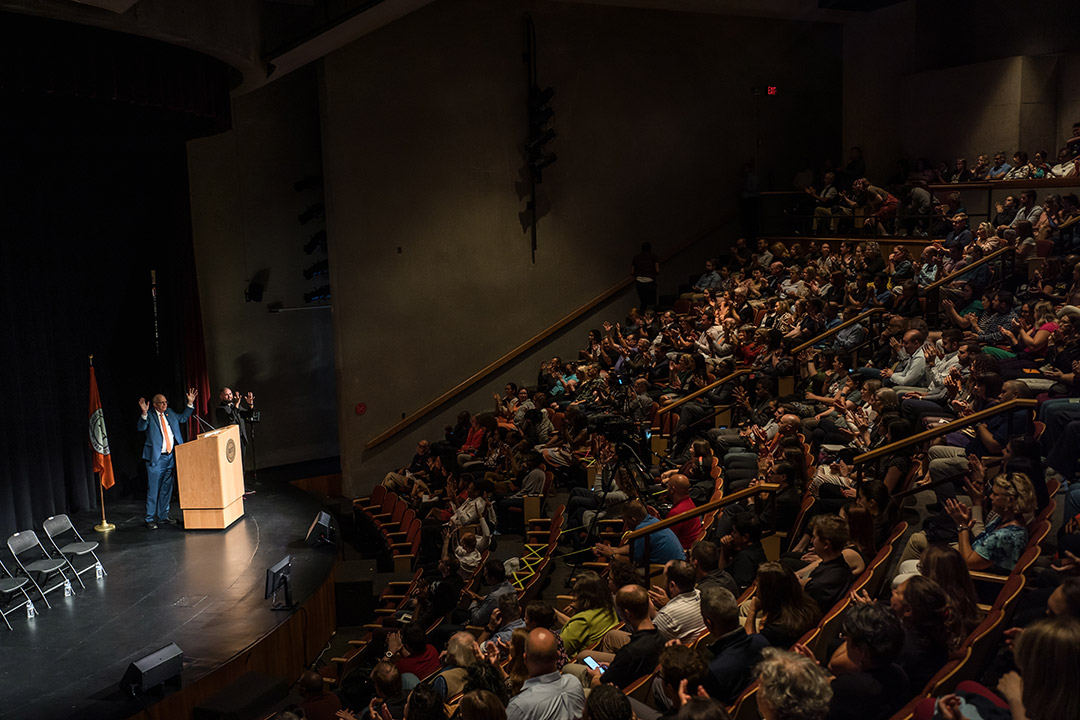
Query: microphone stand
{"points": [[203, 423]]}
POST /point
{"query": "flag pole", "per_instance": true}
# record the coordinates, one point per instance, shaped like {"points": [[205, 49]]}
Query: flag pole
{"points": [[105, 525]]}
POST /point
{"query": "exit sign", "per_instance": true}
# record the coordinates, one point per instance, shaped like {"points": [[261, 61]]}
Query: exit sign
{"points": [[771, 90]]}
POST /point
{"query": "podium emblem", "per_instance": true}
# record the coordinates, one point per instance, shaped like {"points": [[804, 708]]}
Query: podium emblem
{"points": [[230, 450]]}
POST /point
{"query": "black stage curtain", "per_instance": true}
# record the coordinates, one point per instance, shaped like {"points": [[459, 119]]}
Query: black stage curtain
{"points": [[94, 197]]}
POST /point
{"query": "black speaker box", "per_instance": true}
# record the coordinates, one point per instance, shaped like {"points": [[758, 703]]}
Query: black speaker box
{"points": [[320, 532], [354, 592], [153, 670]]}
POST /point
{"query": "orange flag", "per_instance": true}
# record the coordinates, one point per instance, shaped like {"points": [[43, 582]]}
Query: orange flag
{"points": [[99, 439]]}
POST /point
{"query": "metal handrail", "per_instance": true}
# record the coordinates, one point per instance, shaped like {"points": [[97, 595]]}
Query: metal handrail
{"points": [[833, 330], [945, 429], [955, 275], [702, 391], [532, 342], [701, 510]]}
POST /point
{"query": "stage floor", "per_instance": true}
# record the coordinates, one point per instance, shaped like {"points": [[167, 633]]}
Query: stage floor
{"points": [[200, 589]]}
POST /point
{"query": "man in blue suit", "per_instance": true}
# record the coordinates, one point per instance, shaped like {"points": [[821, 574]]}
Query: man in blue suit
{"points": [[162, 427]]}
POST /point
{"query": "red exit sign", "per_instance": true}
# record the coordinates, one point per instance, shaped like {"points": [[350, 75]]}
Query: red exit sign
{"points": [[771, 90]]}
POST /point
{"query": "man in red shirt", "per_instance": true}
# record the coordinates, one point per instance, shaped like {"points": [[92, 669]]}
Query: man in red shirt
{"points": [[410, 651], [688, 531]]}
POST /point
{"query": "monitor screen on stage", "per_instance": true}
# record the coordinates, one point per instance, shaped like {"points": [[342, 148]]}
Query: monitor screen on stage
{"points": [[277, 574]]}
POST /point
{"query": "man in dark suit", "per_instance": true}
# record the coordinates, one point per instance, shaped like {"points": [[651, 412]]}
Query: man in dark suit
{"points": [[162, 428], [232, 409]]}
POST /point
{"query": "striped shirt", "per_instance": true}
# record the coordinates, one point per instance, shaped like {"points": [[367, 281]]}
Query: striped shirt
{"points": [[680, 619]]}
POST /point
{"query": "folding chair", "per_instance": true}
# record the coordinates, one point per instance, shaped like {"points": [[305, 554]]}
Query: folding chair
{"points": [[8, 585], [60, 524], [45, 566]]}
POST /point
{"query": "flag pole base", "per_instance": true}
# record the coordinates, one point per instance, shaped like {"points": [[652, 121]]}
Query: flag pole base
{"points": [[105, 527]]}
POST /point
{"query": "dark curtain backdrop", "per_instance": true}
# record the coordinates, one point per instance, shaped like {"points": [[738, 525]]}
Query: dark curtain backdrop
{"points": [[94, 195]]}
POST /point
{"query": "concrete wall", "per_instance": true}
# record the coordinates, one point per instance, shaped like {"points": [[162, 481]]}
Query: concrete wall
{"points": [[422, 126], [916, 85], [1068, 96], [877, 54], [244, 210]]}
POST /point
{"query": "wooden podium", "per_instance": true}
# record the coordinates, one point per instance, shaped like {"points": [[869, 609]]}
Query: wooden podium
{"points": [[210, 475]]}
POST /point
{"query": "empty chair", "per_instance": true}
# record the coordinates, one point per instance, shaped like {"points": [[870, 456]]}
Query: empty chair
{"points": [[36, 563], [58, 525], [9, 585]]}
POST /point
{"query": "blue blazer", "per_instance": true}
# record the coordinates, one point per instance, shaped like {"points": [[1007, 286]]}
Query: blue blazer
{"points": [[152, 448]]}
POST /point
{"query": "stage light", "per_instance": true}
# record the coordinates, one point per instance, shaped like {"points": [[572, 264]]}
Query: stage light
{"points": [[319, 294], [536, 145], [317, 241], [543, 161], [315, 212], [321, 267]]}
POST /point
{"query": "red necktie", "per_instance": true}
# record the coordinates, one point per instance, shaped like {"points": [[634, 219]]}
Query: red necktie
{"points": [[166, 441]]}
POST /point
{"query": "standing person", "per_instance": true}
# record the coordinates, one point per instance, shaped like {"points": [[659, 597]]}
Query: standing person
{"points": [[231, 410], [162, 436], [645, 267]]}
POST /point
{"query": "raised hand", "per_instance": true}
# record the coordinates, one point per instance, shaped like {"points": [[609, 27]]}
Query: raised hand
{"points": [[144, 406], [960, 513], [192, 393]]}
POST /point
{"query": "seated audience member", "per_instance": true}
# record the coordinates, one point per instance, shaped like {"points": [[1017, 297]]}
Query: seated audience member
{"points": [[480, 609], [505, 619], [780, 610], [705, 559], [999, 169], [594, 614], [486, 676], [481, 705], [1046, 654], [930, 631], [733, 653], [995, 545], [742, 549], [689, 530], [678, 616], [388, 688], [546, 694], [539, 614], [830, 580], [439, 594], [469, 549], [680, 664], [664, 545], [321, 704], [424, 704], [638, 656], [532, 484], [410, 651], [879, 687], [607, 703], [460, 654], [792, 687]]}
